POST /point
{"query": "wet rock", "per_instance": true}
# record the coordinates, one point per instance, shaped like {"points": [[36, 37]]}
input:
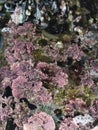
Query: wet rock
{"points": [[1, 41]]}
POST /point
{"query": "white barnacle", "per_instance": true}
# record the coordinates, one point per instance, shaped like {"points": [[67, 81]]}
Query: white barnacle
{"points": [[28, 13], [59, 44], [83, 119]]}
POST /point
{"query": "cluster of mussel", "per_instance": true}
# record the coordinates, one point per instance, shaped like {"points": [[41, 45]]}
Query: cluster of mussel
{"points": [[45, 13], [53, 15]]}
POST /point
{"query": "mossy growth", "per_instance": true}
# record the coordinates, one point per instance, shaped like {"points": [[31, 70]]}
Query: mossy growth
{"points": [[66, 37], [49, 36], [72, 93], [42, 42], [40, 56], [3, 45], [86, 94], [60, 95], [3, 61], [67, 93]]}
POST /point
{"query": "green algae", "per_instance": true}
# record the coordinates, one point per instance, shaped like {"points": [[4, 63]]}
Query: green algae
{"points": [[40, 56]]}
